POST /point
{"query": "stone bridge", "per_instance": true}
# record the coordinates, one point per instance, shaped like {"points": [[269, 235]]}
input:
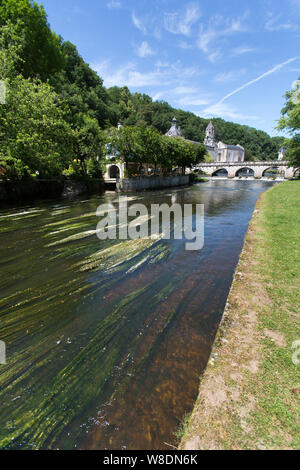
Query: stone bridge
{"points": [[254, 169]]}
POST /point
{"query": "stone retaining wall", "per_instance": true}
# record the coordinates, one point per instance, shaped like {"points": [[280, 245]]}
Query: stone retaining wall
{"points": [[151, 182]]}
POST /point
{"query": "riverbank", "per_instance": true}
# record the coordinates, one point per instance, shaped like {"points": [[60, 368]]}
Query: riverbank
{"points": [[249, 393]]}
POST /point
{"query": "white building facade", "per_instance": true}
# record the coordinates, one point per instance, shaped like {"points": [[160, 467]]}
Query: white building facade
{"points": [[219, 152], [281, 154], [222, 152]]}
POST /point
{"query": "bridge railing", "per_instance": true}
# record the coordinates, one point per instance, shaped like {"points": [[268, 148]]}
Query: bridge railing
{"points": [[267, 164]]}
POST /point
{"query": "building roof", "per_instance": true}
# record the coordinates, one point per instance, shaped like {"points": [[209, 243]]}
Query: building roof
{"points": [[174, 130], [230, 147]]}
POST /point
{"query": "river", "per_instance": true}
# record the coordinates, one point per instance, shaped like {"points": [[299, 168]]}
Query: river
{"points": [[106, 340]]}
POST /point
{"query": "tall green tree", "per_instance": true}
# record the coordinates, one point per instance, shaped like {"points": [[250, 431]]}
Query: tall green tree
{"points": [[41, 48], [187, 154], [81, 88], [290, 122], [10, 50], [148, 145], [88, 147], [34, 136], [124, 140]]}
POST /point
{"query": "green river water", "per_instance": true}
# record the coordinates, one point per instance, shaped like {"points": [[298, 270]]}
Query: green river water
{"points": [[106, 339]]}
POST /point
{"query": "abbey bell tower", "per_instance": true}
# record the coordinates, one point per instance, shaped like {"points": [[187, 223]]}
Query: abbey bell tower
{"points": [[210, 136]]}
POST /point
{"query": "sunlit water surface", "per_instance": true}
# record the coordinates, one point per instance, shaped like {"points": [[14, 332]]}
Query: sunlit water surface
{"points": [[106, 339]]}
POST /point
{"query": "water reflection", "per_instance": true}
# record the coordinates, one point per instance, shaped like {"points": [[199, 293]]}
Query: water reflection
{"points": [[106, 340]]}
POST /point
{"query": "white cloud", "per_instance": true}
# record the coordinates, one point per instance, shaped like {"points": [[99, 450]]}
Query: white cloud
{"points": [[158, 96], [225, 111], [129, 75], [229, 76], [161, 65], [114, 4], [185, 45], [242, 50], [274, 23], [217, 28], [192, 101], [206, 38], [144, 50], [182, 90], [182, 22], [138, 23], [214, 56]]}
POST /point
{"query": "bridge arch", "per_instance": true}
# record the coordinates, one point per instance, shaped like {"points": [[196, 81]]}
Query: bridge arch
{"points": [[297, 173], [273, 171], [245, 171], [221, 172]]}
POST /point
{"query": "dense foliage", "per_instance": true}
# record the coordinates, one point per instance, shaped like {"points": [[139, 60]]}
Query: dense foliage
{"points": [[57, 110], [144, 144], [290, 121], [41, 52], [34, 136], [132, 109], [82, 89]]}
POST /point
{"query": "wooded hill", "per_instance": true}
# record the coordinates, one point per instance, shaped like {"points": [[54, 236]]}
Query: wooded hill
{"points": [[35, 61], [85, 90]]}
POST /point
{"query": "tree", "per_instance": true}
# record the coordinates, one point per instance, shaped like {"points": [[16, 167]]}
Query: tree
{"points": [[34, 136], [124, 141], [81, 88], [41, 50], [89, 146], [10, 50], [148, 146], [188, 153], [290, 121]]}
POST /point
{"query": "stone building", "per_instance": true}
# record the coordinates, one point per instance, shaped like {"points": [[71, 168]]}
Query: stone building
{"points": [[281, 154], [219, 152], [222, 152]]}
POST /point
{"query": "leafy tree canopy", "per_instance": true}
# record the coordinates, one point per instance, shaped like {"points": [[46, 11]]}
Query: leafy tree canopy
{"points": [[290, 122], [134, 109], [62, 126], [34, 136], [41, 52], [82, 88]]}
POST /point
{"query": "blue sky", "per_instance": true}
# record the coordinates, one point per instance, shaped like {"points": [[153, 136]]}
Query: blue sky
{"points": [[219, 58]]}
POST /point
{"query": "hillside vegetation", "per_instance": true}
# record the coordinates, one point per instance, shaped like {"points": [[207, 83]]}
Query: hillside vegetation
{"points": [[57, 108]]}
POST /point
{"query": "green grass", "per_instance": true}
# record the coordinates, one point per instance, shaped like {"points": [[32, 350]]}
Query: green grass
{"points": [[279, 251]]}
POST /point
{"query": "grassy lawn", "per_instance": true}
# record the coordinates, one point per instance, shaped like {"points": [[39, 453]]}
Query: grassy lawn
{"points": [[249, 394]]}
